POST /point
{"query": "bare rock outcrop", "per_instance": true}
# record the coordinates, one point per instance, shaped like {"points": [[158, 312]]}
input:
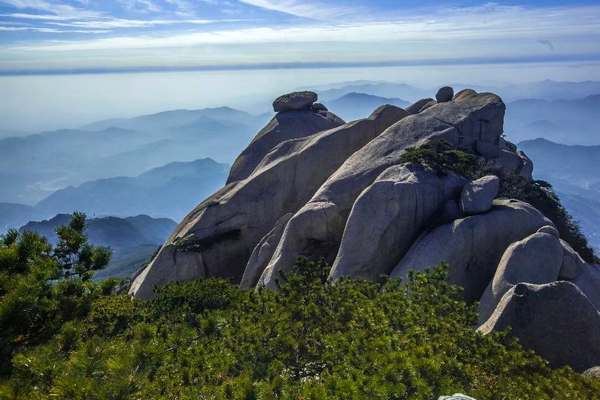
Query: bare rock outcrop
{"points": [[293, 124], [316, 229], [377, 196], [398, 205], [535, 259], [477, 196], [217, 238], [556, 320], [473, 246]]}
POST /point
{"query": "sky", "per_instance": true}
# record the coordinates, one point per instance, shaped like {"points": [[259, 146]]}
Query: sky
{"points": [[69, 36]]}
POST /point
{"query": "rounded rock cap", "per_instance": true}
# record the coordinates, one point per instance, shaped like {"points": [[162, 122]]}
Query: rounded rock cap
{"points": [[295, 101], [445, 94]]}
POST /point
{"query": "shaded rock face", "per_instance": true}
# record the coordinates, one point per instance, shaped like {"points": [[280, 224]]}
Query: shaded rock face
{"points": [[556, 320], [445, 94], [535, 259]]}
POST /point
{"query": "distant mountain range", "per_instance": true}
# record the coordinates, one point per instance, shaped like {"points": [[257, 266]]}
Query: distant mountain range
{"points": [[132, 240], [168, 191], [560, 111], [573, 171], [32, 167], [355, 105], [564, 121]]}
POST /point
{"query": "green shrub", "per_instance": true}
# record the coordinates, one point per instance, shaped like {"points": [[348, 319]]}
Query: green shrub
{"points": [[311, 339]]}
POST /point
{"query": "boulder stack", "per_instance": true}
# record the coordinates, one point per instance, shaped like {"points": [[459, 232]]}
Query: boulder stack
{"points": [[358, 195]]}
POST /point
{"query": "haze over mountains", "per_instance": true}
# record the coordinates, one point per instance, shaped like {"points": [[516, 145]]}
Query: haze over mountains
{"points": [[162, 164], [34, 166], [573, 171], [132, 240]]}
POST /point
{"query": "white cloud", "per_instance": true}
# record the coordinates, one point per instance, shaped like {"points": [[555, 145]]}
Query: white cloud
{"points": [[113, 23], [46, 30], [475, 23], [53, 8], [318, 10]]}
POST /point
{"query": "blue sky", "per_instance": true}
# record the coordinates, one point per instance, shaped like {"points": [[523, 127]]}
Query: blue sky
{"points": [[41, 35]]}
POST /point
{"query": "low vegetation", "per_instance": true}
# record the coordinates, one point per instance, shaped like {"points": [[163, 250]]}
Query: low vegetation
{"points": [[70, 338]]}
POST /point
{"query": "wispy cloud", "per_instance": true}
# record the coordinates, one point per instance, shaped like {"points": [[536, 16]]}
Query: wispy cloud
{"points": [[318, 10], [138, 23], [52, 8], [475, 23], [48, 30]]}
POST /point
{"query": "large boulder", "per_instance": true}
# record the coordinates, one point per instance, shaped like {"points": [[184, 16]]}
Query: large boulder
{"points": [[535, 259], [295, 101], [556, 320], [217, 238], [477, 196], [387, 217], [473, 246], [282, 127], [445, 94], [419, 105], [589, 283], [316, 229]]}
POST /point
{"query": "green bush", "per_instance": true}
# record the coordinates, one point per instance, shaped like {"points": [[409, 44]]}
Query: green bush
{"points": [[208, 339]]}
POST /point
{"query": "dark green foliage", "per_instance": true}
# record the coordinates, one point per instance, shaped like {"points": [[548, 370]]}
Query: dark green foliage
{"points": [[443, 158], [207, 339], [73, 252], [35, 298]]}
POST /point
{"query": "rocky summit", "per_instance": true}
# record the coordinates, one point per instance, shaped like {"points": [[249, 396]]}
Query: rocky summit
{"points": [[398, 191]]}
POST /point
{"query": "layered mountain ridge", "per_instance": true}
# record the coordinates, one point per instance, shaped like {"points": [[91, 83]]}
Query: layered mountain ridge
{"points": [[401, 190]]}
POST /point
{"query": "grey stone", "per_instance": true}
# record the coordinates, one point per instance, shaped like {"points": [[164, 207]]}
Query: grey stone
{"points": [[556, 320], [535, 259], [572, 264], [295, 101], [551, 230], [445, 94], [418, 105], [462, 94], [318, 107], [472, 246], [588, 280], [456, 396], [450, 212], [387, 217], [217, 238], [282, 127], [592, 373], [262, 253], [477, 196], [316, 229]]}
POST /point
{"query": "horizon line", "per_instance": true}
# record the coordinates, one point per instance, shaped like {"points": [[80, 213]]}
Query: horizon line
{"points": [[554, 58]]}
